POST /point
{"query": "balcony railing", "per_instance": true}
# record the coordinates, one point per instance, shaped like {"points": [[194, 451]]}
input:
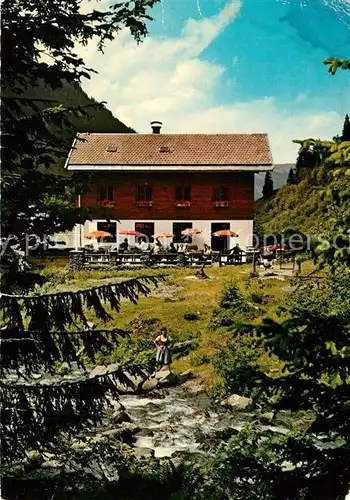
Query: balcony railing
{"points": [[221, 204], [183, 204]]}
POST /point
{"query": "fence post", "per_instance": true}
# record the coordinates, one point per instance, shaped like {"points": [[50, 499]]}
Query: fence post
{"points": [[216, 259], [146, 258], [181, 259], [76, 259], [113, 255]]}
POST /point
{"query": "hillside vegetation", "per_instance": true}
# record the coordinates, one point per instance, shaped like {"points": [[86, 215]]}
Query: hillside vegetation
{"points": [[316, 195], [297, 206]]}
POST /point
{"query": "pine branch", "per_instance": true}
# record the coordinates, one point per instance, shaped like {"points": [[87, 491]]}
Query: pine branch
{"points": [[37, 351], [37, 412]]}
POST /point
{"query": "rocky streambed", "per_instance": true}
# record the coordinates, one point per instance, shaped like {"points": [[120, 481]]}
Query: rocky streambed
{"points": [[172, 420]]}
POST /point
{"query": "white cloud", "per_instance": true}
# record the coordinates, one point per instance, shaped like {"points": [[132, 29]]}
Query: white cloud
{"points": [[302, 96], [165, 79]]}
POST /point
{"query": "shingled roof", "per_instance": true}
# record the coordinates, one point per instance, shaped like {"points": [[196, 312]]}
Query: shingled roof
{"points": [[99, 150]]}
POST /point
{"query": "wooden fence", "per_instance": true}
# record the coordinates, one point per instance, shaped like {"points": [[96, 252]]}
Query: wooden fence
{"points": [[83, 259]]}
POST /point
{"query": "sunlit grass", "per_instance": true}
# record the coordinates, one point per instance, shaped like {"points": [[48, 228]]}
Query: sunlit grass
{"points": [[179, 294]]}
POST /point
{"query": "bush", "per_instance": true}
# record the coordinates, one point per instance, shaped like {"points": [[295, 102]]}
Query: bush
{"points": [[231, 306], [145, 326], [230, 297], [257, 297], [191, 316], [235, 365], [199, 359]]}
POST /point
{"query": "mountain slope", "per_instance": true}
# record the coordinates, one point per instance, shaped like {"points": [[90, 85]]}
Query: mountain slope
{"points": [[100, 119], [298, 207]]}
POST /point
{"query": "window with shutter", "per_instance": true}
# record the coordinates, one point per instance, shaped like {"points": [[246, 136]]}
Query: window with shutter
{"points": [[183, 193], [144, 193], [106, 193], [221, 193]]}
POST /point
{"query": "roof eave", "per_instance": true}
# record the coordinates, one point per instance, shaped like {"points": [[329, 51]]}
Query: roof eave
{"points": [[170, 168]]}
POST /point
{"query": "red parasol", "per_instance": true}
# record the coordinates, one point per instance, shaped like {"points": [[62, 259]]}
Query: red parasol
{"points": [[190, 231], [225, 232], [97, 234], [163, 235], [130, 232]]}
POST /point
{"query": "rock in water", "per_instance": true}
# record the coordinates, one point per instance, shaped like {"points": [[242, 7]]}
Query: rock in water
{"points": [[120, 416], [144, 433], [184, 376], [64, 369], [98, 371], [166, 377], [236, 402], [150, 384], [143, 452]]}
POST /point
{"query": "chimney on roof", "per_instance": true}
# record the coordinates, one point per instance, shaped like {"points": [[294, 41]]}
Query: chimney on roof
{"points": [[156, 126]]}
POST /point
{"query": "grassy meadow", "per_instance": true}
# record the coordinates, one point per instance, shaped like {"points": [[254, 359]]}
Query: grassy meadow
{"points": [[167, 305]]}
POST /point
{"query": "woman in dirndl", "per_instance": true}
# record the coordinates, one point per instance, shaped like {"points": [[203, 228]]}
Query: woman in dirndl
{"points": [[163, 356]]}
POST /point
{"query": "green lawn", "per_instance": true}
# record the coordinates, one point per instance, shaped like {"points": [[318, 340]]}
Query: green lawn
{"points": [[179, 294]]}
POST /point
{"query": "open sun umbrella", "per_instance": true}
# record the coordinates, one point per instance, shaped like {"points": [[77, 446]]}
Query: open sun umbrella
{"points": [[163, 235], [225, 232], [190, 231], [97, 234], [130, 232]]}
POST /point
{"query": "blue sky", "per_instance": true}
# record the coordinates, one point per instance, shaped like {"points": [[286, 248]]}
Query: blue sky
{"points": [[232, 66]]}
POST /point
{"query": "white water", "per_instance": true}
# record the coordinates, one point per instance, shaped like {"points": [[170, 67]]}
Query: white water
{"points": [[176, 420]]}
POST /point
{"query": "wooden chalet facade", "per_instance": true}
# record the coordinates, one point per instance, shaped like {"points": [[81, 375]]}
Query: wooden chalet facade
{"points": [[156, 182]]}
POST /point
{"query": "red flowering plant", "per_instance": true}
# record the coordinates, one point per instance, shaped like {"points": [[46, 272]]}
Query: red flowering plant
{"points": [[183, 203], [144, 203], [221, 204], [107, 203]]}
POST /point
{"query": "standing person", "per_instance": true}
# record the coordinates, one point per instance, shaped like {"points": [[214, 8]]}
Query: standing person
{"points": [[163, 356]]}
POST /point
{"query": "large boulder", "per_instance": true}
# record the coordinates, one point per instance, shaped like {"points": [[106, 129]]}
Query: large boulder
{"points": [[150, 384], [166, 377], [124, 433], [184, 376], [98, 371], [236, 402]]}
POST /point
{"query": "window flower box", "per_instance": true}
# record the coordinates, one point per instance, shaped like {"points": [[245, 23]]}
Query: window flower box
{"points": [[220, 204], [107, 203], [183, 204], [144, 203]]}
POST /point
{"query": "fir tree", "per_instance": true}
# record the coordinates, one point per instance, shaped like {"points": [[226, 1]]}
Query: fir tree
{"points": [[35, 198], [346, 129], [268, 185], [39, 406], [291, 177]]}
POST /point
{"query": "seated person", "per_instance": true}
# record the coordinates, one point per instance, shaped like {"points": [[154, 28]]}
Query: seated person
{"points": [[124, 246], [172, 248], [206, 249], [143, 245], [236, 251], [158, 247]]}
